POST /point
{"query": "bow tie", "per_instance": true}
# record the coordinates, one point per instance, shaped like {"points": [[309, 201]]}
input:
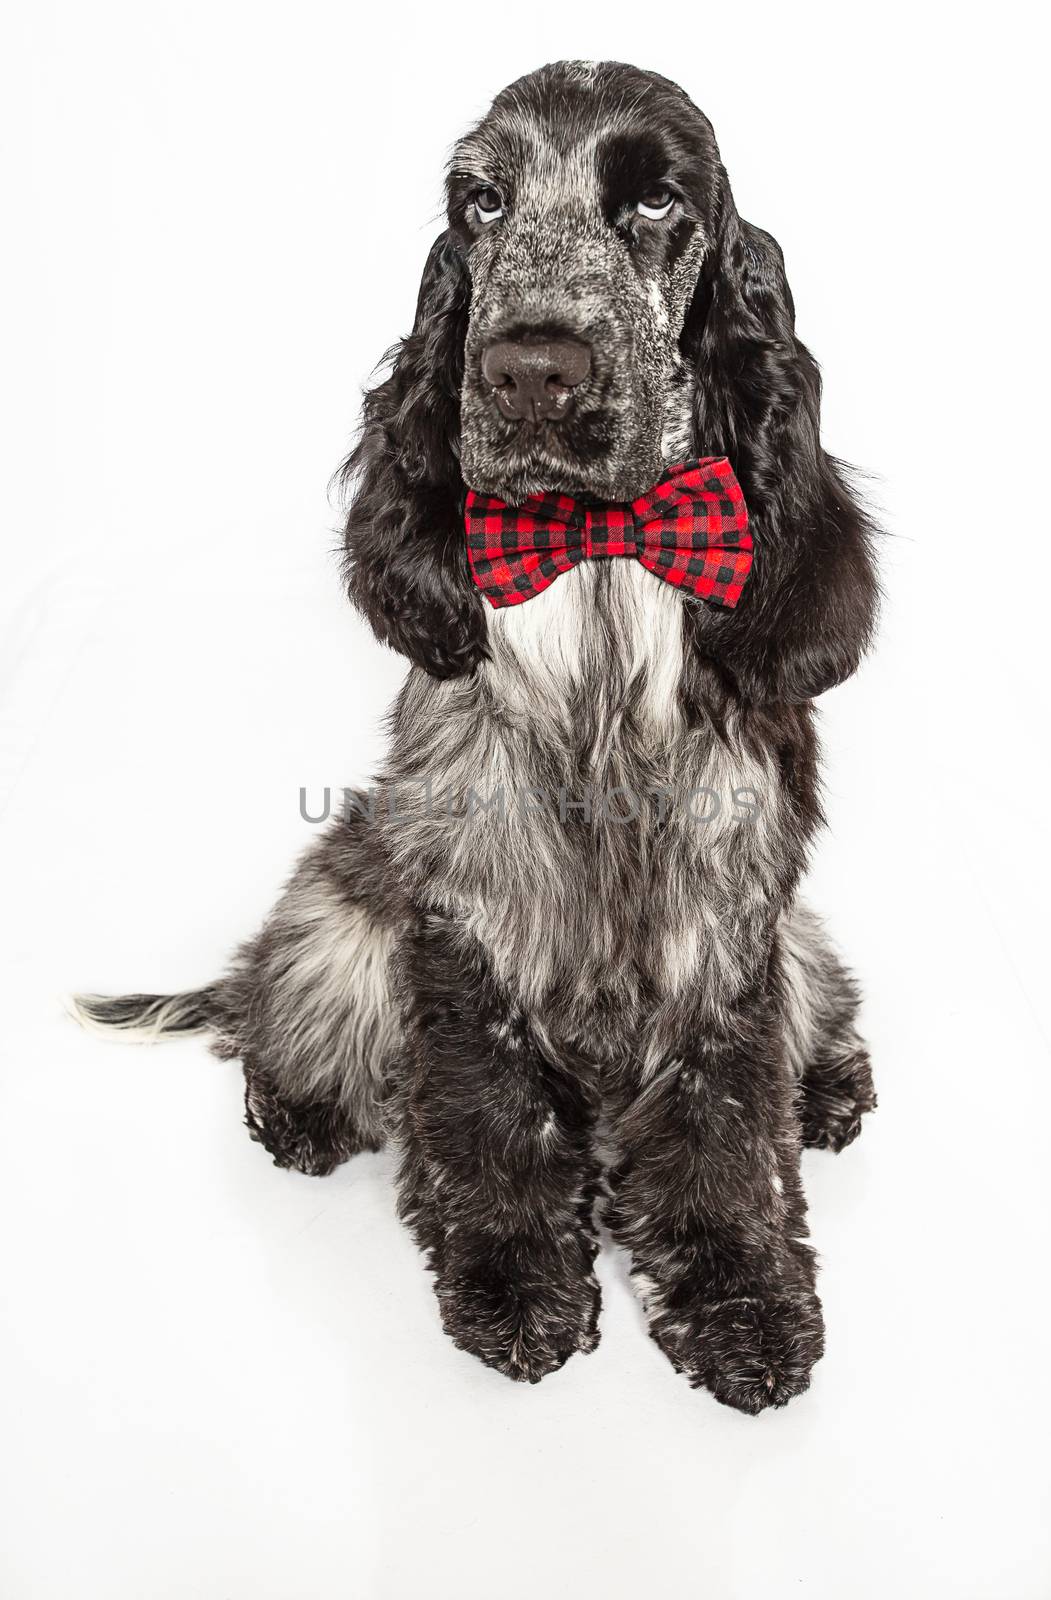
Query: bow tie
{"points": [[691, 529]]}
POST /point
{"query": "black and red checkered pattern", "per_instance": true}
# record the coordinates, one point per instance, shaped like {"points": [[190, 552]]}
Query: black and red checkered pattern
{"points": [[691, 529]]}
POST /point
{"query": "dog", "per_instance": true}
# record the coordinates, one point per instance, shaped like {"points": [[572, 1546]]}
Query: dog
{"points": [[574, 1007]]}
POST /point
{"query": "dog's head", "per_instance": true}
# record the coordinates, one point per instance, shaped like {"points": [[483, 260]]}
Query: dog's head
{"points": [[595, 309], [581, 210]]}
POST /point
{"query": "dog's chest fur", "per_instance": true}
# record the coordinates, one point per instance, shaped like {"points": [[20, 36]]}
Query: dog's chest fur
{"points": [[611, 859]]}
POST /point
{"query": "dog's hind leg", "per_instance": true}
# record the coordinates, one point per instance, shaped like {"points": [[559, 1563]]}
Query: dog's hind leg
{"points": [[305, 1007], [825, 1049]]}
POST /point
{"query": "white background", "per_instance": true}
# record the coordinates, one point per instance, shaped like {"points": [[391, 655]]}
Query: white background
{"points": [[222, 1380]]}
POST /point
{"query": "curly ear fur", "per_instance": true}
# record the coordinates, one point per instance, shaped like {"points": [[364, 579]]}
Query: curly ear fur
{"points": [[405, 559], [808, 611]]}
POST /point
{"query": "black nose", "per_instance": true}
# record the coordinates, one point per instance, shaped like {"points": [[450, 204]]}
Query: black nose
{"points": [[533, 379]]}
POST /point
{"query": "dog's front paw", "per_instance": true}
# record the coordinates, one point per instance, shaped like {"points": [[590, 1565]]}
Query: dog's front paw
{"points": [[750, 1350], [522, 1310], [833, 1100]]}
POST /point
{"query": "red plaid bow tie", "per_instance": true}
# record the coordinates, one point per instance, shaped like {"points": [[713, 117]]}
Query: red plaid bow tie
{"points": [[691, 529]]}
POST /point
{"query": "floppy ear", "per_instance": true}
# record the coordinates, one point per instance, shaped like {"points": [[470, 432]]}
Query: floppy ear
{"points": [[809, 607], [405, 559]]}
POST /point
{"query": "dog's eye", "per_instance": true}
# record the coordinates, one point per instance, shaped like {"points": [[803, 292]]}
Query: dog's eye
{"points": [[656, 204], [488, 204]]}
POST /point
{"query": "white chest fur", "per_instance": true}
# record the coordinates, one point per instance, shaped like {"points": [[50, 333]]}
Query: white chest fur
{"points": [[581, 697], [609, 630]]}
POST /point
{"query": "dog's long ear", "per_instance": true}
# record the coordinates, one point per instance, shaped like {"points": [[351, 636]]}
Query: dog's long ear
{"points": [[405, 553], [809, 607]]}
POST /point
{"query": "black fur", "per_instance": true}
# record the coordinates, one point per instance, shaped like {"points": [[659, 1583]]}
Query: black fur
{"points": [[406, 561], [809, 609]]}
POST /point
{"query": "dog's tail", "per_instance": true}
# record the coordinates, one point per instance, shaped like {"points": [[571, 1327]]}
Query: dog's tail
{"points": [[145, 1018]]}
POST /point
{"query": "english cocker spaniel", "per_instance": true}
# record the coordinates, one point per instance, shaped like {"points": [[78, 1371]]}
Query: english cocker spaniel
{"points": [[555, 955]]}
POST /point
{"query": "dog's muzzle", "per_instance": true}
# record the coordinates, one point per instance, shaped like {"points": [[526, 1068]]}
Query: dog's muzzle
{"points": [[533, 380]]}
